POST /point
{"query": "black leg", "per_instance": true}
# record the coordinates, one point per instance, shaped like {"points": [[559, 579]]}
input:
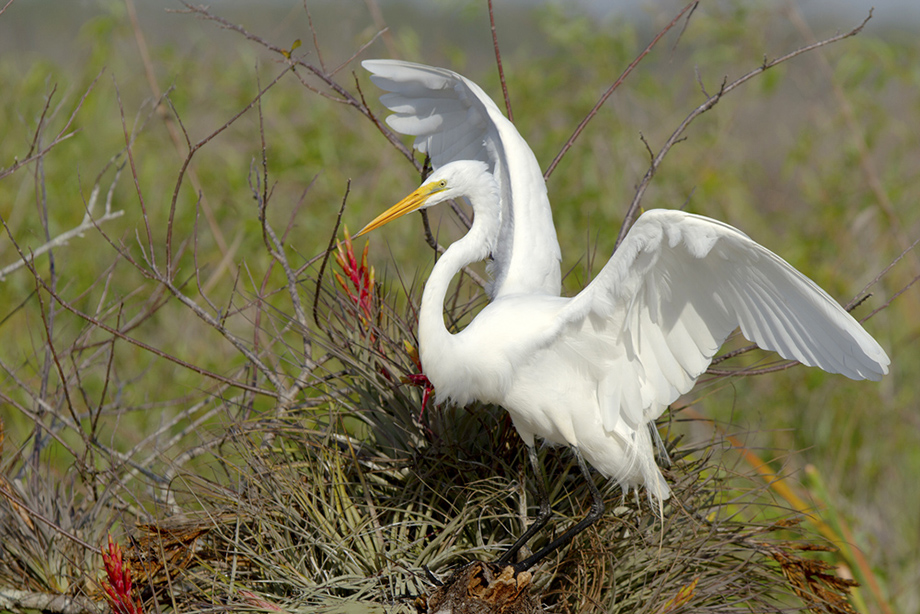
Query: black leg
{"points": [[542, 517], [597, 510]]}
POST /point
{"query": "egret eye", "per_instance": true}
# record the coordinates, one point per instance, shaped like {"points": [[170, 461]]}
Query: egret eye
{"points": [[442, 183]]}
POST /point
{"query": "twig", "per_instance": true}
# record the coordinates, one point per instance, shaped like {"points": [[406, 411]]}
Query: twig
{"points": [[388, 134], [710, 102], [191, 153], [360, 50], [498, 63], [62, 239], [158, 95], [597, 106], [326, 254], [316, 47], [151, 259], [856, 131], [62, 134], [380, 24], [156, 351]]}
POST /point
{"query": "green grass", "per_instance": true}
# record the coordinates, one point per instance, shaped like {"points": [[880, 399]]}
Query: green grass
{"points": [[816, 159]]}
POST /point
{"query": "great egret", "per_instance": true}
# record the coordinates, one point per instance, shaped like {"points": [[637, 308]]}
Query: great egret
{"points": [[592, 371], [453, 119]]}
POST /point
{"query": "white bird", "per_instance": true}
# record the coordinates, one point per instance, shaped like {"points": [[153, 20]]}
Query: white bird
{"points": [[593, 370], [453, 119]]}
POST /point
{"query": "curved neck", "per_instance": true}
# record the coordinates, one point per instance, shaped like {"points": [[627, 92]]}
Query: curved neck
{"points": [[476, 245]]}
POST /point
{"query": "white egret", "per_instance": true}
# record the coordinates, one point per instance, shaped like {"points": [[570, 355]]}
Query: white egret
{"points": [[592, 371]]}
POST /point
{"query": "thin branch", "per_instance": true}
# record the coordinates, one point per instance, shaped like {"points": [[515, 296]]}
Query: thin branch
{"points": [[156, 351], [856, 131], [864, 293], [893, 297], [137, 185], [159, 96], [360, 50], [710, 102], [578, 130], [388, 134], [62, 134], [39, 126], [316, 47], [188, 160], [498, 63], [62, 239], [322, 267], [380, 23]]}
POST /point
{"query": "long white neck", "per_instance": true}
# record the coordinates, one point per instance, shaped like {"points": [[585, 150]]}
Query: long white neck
{"points": [[435, 342]]}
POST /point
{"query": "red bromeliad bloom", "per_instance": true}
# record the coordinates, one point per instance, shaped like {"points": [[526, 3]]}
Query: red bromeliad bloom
{"points": [[361, 276], [358, 284], [418, 379], [117, 584]]}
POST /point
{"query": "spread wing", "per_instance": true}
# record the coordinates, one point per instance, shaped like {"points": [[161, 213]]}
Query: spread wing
{"points": [[678, 285], [453, 119]]}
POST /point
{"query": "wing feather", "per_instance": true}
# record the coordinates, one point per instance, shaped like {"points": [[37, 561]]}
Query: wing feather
{"points": [[678, 286], [452, 118]]}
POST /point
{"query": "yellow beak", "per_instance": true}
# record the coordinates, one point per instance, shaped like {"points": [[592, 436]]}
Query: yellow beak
{"points": [[410, 203]]}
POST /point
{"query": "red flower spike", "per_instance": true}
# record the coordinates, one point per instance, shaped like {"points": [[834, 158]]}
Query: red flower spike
{"points": [[361, 276], [117, 584], [418, 379], [360, 291]]}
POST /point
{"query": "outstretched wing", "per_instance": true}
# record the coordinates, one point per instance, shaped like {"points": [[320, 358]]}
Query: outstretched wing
{"points": [[453, 119], [678, 285]]}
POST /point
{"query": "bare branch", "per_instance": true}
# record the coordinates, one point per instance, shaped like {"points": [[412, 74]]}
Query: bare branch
{"points": [[498, 63], [62, 135], [62, 239], [151, 252], [597, 106], [188, 160], [156, 351], [322, 267], [710, 102]]}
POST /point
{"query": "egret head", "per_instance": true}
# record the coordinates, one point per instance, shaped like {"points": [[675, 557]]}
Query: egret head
{"points": [[469, 178]]}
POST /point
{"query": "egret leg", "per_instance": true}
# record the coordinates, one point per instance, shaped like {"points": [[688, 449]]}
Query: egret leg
{"points": [[596, 511], [543, 515]]}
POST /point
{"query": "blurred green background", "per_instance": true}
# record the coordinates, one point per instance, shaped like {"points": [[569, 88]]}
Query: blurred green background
{"points": [[818, 159]]}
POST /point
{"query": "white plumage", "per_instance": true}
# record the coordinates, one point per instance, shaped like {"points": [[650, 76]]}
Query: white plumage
{"points": [[592, 371], [453, 119]]}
